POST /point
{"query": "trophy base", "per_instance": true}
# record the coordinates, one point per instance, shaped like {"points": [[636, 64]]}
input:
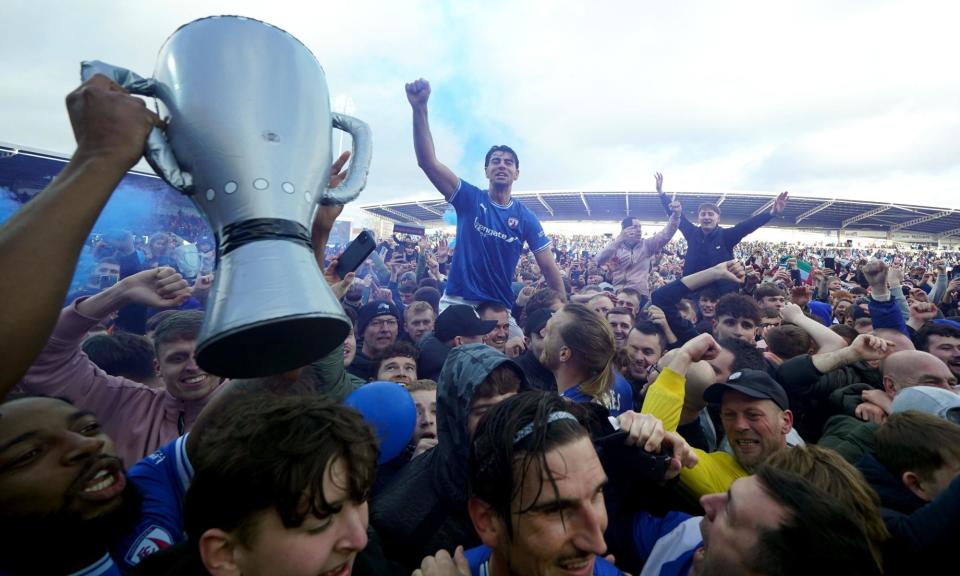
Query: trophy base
{"points": [[269, 311], [273, 347]]}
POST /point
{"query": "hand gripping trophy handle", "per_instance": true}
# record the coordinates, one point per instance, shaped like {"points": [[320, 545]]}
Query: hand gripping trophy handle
{"points": [[157, 151], [161, 158], [360, 157], [249, 140]]}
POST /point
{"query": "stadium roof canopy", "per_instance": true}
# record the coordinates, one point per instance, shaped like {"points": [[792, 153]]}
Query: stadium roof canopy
{"points": [[26, 172], [800, 213]]}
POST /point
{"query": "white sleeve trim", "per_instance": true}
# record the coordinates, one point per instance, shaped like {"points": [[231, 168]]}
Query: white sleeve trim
{"points": [[455, 192], [548, 245]]}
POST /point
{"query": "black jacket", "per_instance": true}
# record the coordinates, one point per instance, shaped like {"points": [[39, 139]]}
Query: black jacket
{"points": [[363, 367], [425, 507], [923, 534], [708, 249], [809, 391], [537, 374], [433, 353]]}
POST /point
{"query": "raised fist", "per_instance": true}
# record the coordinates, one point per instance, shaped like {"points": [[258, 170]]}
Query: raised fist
{"points": [[418, 92]]}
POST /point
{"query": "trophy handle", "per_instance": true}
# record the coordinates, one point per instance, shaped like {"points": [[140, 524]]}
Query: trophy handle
{"points": [[157, 150], [350, 188]]}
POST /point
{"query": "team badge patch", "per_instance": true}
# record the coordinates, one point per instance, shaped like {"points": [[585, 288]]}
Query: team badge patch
{"points": [[151, 541], [512, 223]]}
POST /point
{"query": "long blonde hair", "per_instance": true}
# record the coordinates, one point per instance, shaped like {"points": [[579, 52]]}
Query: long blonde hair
{"points": [[591, 339]]}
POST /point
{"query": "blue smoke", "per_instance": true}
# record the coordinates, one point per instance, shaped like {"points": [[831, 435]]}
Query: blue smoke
{"points": [[450, 216], [8, 205]]}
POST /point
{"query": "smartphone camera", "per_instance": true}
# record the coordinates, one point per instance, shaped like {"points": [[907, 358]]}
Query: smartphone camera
{"points": [[108, 280]]}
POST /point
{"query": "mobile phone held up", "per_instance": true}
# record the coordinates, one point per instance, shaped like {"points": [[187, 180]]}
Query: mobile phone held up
{"points": [[355, 253]]}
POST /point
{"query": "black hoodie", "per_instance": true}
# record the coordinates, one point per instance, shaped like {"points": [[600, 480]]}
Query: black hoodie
{"points": [[424, 510]]}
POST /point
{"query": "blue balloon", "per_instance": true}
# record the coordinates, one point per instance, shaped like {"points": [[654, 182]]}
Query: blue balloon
{"points": [[389, 408]]}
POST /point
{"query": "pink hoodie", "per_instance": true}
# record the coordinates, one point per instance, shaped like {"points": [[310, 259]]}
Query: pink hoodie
{"points": [[138, 418]]}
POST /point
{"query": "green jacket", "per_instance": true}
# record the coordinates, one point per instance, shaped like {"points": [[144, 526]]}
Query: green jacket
{"points": [[332, 376]]}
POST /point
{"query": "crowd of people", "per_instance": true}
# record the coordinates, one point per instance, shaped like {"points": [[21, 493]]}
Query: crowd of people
{"points": [[644, 404]]}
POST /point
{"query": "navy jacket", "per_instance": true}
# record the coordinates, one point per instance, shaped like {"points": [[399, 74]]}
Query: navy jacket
{"points": [[709, 249]]}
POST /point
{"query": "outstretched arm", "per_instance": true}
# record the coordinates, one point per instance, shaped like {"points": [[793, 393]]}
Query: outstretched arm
{"points": [[686, 227], [551, 272], [667, 297], [827, 340], [736, 233], [418, 92], [47, 234]]}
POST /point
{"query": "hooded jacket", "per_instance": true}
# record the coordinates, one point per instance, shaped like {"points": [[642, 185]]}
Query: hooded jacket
{"points": [[424, 510]]}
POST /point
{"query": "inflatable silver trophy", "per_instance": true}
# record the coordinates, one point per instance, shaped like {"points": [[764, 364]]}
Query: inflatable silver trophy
{"points": [[249, 140]]}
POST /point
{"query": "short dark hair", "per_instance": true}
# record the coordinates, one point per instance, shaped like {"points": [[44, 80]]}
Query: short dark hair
{"points": [[407, 288], [788, 341], [542, 298], [179, 326], [122, 354], [768, 290], [400, 348], [708, 206], [738, 306], [627, 222], [499, 461], [495, 307], [505, 378], [108, 260], [429, 295], [922, 339], [745, 355], [818, 532], [619, 310], [272, 452], [708, 293], [157, 318], [648, 327], [849, 333], [917, 442], [351, 313], [630, 291], [428, 283], [500, 148], [539, 300]]}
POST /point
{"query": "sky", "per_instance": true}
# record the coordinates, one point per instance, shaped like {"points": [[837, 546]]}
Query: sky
{"points": [[856, 99]]}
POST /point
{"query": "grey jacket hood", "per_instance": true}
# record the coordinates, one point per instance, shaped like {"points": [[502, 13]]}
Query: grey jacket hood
{"points": [[466, 368]]}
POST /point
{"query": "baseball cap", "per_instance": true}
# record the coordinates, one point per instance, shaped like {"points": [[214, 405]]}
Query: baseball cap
{"points": [[537, 320], [754, 383], [371, 310], [461, 320], [947, 322], [605, 286], [934, 401]]}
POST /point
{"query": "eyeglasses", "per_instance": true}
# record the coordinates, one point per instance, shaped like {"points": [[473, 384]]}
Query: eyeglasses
{"points": [[388, 322]]}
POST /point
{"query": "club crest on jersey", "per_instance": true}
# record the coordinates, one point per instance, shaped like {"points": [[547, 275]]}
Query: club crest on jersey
{"points": [[512, 223], [151, 540]]}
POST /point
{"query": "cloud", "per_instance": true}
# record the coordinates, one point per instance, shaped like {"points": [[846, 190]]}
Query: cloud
{"points": [[820, 97]]}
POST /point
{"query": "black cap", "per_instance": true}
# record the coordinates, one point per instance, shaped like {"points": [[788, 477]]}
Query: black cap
{"points": [[537, 320], [754, 383], [371, 310], [461, 320]]}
